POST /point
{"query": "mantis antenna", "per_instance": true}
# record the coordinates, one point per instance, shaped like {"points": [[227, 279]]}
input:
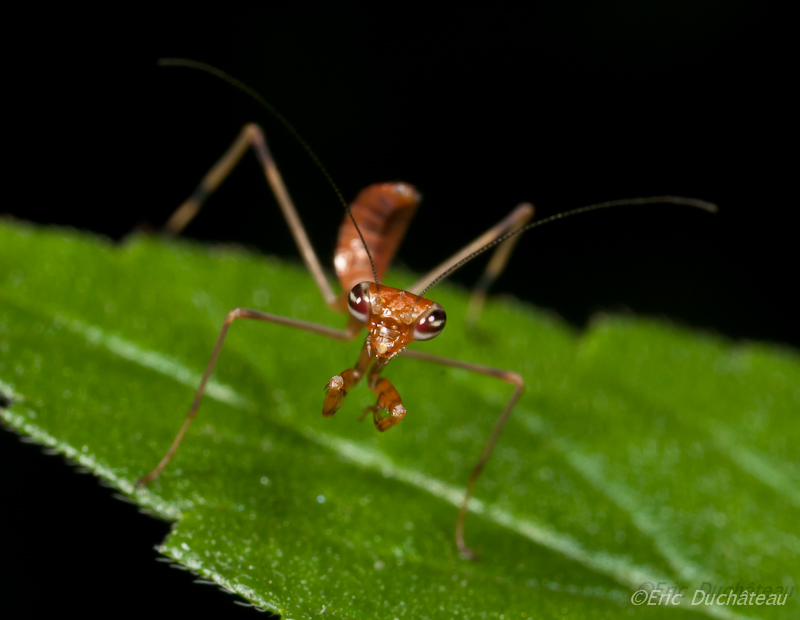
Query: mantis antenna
{"points": [[678, 200]]}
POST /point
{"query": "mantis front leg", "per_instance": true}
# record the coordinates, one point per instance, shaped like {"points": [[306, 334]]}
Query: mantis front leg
{"points": [[340, 384], [388, 397]]}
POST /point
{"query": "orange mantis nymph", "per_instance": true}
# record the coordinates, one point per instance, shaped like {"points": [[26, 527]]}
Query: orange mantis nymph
{"points": [[373, 227]]}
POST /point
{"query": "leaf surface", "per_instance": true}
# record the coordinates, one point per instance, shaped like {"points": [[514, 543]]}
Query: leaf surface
{"points": [[639, 452]]}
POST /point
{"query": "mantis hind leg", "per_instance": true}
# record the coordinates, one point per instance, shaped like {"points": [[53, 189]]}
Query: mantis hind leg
{"points": [[252, 136]]}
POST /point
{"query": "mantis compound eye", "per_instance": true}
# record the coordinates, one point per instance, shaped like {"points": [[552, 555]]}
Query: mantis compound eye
{"points": [[431, 324], [358, 302]]}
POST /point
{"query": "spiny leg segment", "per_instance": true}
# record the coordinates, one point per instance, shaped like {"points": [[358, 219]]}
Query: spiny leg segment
{"points": [[388, 397], [340, 384]]}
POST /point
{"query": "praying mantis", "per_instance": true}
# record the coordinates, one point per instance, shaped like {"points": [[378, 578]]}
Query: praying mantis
{"points": [[369, 237]]}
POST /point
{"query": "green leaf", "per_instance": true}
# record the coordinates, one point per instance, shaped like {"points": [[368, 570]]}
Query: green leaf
{"points": [[639, 452]]}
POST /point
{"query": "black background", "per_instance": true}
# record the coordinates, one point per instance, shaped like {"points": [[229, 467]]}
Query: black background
{"points": [[481, 107]]}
